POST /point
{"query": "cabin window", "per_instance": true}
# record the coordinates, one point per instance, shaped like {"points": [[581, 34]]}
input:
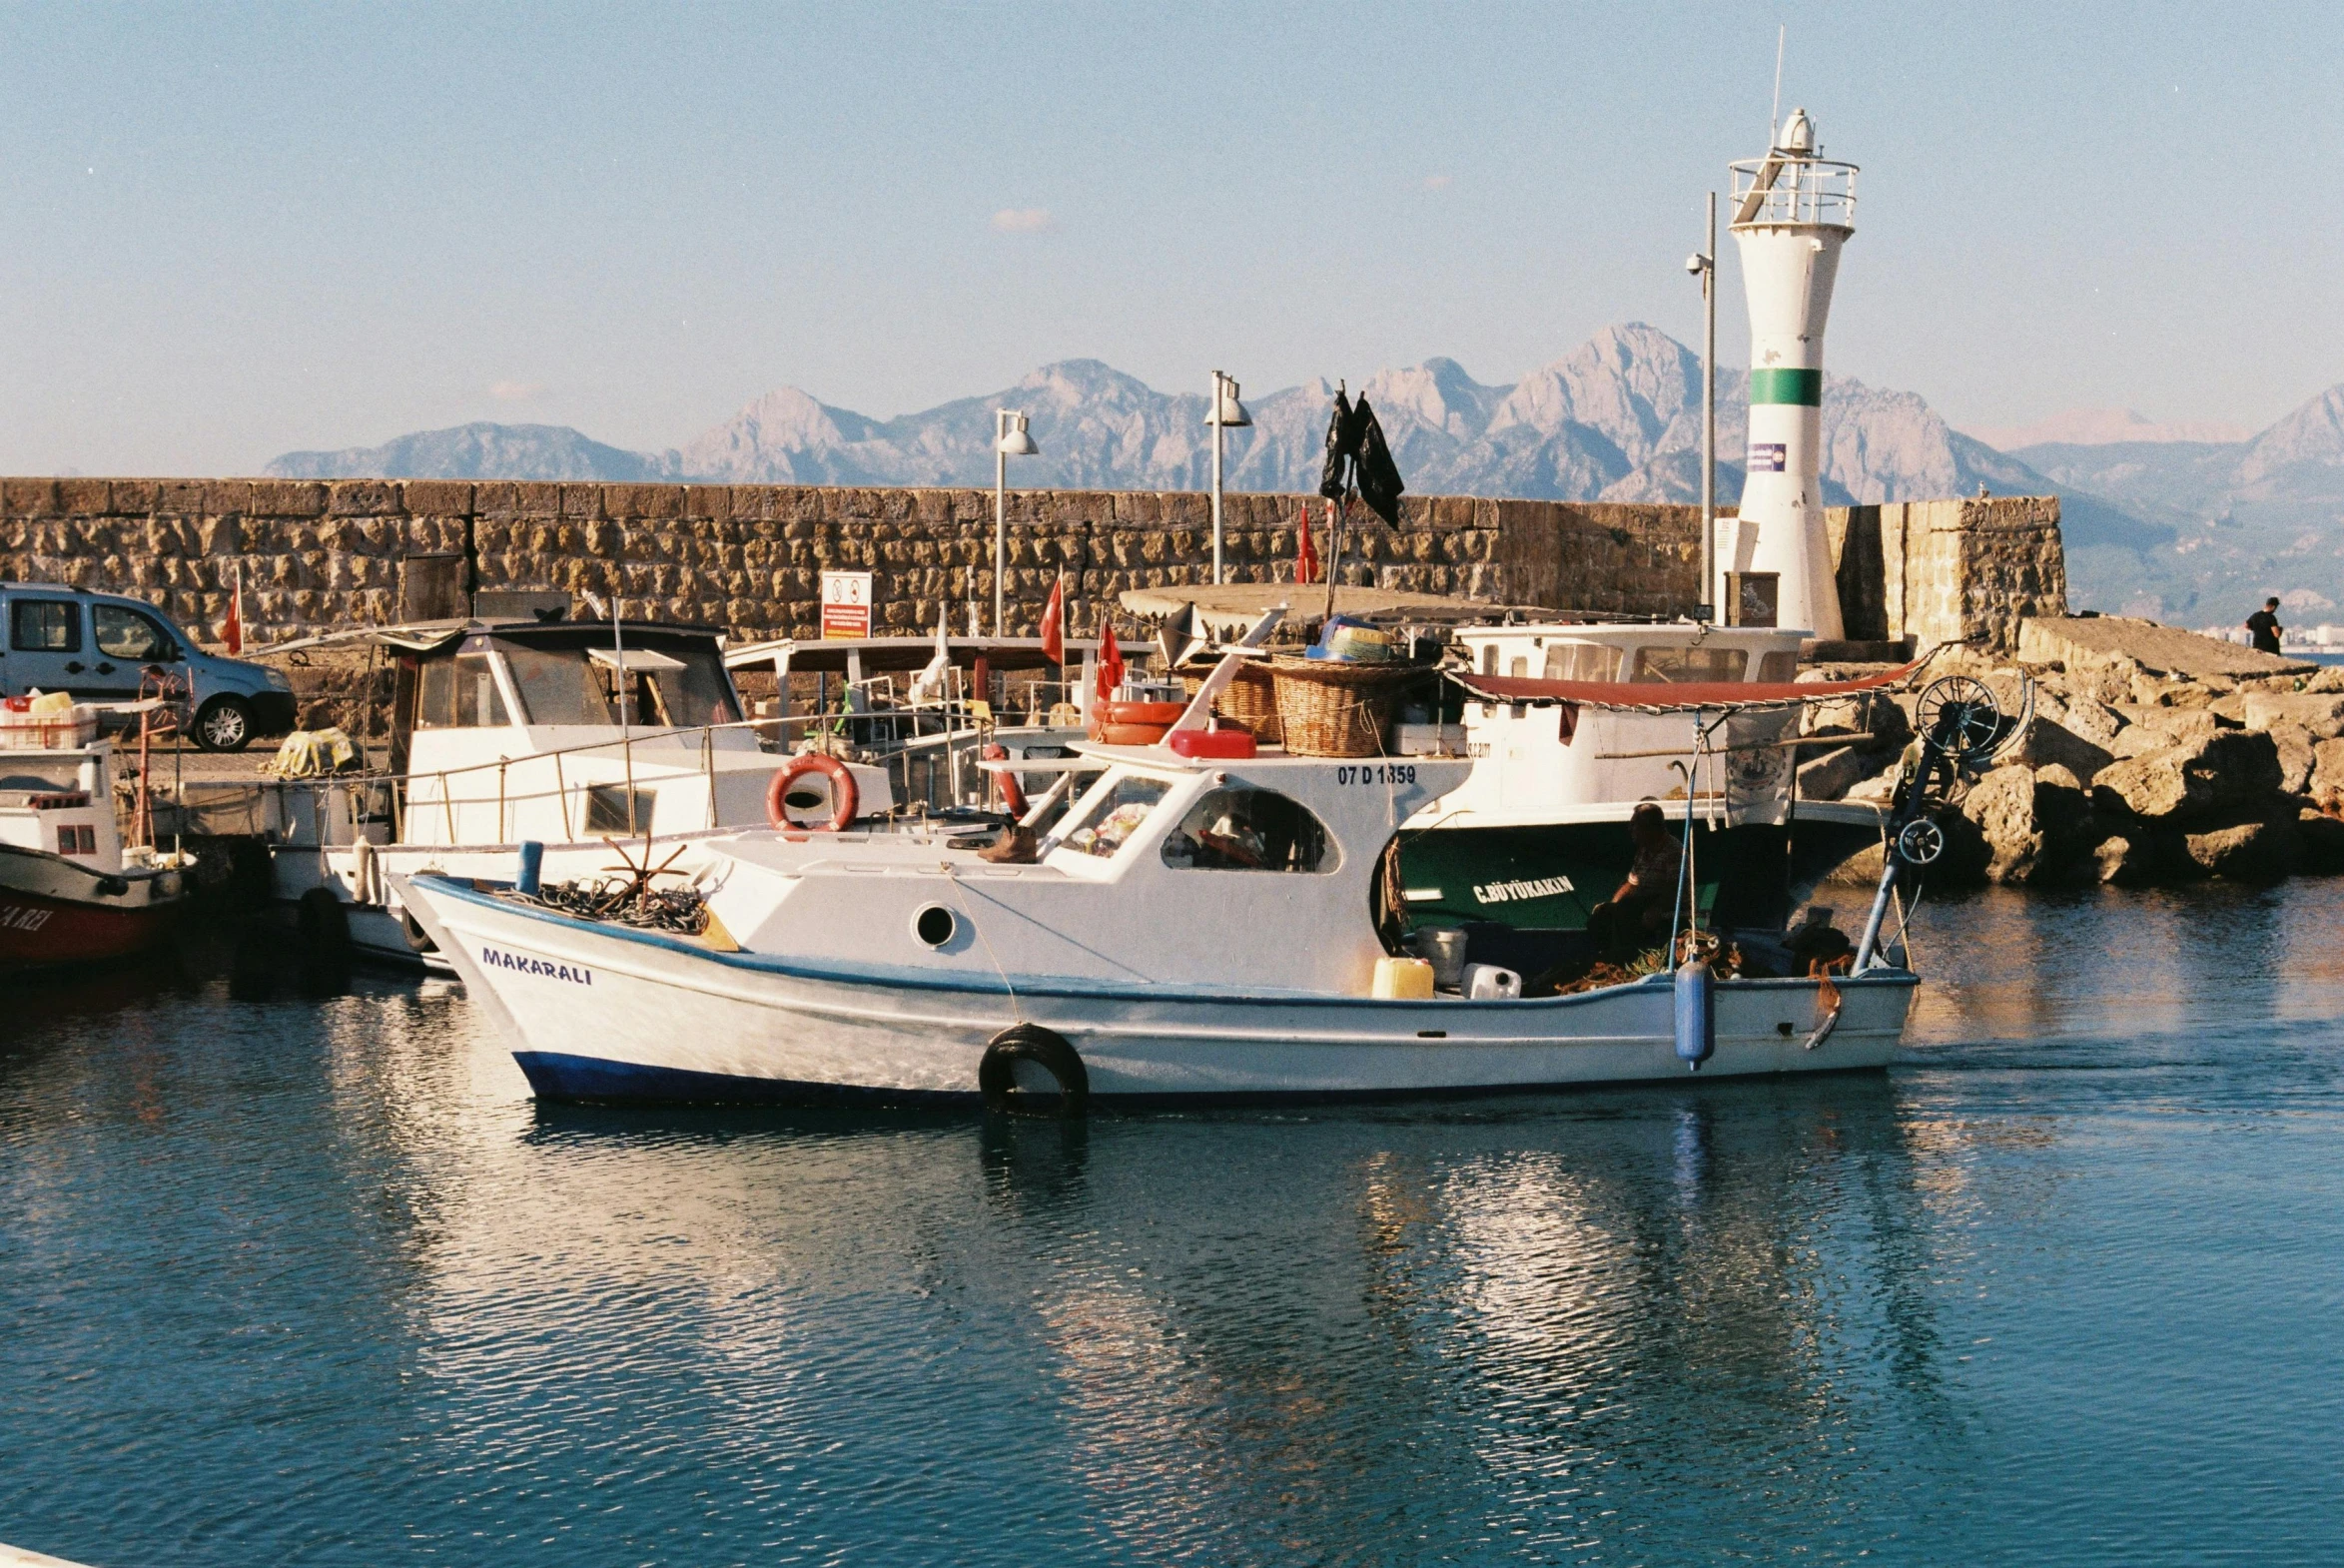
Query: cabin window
{"points": [[1681, 664], [556, 685], [460, 693], [1778, 666], [607, 809], [1489, 658], [1249, 830], [1118, 815], [45, 626], [126, 634], [1519, 668], [1582, 661], [21, 774]]}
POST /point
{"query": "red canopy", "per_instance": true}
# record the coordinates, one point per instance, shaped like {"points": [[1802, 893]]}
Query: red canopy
{"points": [[1661, 696]]}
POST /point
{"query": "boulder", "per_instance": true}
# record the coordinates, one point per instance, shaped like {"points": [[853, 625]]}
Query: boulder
{"points": [[2127, 859], [2050, 743], [2149, 729], [2035, 828], [2229, 769], [1880, 788], [1829, 776], [2085, 717], [2321, 714], [2293, 743], [2166, 691], [2253, 849], [2330, 678], [2327, 770], [2321, 837]]}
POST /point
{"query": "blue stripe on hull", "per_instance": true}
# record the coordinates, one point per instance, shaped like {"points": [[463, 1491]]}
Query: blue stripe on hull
{"points": [[591, 1080]]}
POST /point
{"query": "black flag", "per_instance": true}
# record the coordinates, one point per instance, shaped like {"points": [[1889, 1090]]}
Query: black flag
{"points": [[1342, 434], [1380, 476]]}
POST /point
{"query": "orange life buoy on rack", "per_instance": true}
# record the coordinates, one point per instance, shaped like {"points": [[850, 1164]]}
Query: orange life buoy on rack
{"points": [[842, 792], [1013, 793]]}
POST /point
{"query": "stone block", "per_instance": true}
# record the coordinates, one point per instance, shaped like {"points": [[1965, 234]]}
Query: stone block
{"points": [[2321, 839], [282, 499], [437, 497], [2327, 770], [2252, 849], [2293, 744], [2320, 713], [2234, 768]]}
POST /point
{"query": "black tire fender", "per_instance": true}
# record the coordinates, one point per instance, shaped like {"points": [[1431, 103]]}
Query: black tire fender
{"points": [[325, 927], [417, 939], [1046, 1049]]}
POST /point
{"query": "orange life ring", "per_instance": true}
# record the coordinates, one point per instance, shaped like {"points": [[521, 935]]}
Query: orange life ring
{"points": [[1013, 793], [1165, 714], [842, 792], [1128, 734]]}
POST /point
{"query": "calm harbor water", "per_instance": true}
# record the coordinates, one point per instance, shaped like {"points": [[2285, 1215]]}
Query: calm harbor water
{"points": [[313, 1282]]}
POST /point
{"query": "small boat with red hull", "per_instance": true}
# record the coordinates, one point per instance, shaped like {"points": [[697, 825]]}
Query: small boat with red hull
{"points": [[69, 891]]}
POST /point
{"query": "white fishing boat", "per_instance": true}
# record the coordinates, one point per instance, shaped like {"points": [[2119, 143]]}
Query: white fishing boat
{"points": [[1192, 927]]}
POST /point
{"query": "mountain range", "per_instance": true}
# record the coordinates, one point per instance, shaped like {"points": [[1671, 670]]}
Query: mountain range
{"points": [[2153, 525]]}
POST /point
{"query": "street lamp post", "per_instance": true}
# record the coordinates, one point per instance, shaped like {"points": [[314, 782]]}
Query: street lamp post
{"points": [[1702, 265], [1226, 414], [1009, 441]]}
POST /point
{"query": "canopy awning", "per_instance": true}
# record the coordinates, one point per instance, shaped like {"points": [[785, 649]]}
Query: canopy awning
{"points": [[881, 655], [1664, 698]]}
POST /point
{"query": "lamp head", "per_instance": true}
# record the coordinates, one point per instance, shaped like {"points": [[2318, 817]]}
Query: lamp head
{"points": [[1227, 413], [1014, 441]]}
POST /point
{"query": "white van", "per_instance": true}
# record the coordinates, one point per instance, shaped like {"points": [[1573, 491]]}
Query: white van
{"points": [[99, 646]]}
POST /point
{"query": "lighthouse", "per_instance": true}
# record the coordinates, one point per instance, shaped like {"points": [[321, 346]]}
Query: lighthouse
{"points": [[1792, 211]]}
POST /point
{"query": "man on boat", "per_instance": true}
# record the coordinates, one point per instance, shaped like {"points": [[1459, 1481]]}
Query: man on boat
{"points": [[1637, 916]]}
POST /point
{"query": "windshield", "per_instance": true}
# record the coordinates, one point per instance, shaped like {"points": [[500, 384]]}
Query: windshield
{"points": [[568, 686], [1111, 815]]}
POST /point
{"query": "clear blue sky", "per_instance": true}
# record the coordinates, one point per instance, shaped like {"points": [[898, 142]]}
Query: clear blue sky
{"points": [[234, 230]]}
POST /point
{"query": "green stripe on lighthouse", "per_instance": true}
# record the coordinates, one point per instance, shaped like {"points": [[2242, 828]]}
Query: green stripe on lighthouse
{"points": [[1803, 387]]}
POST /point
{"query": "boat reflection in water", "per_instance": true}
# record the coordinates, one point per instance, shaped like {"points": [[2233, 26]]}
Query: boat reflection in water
{"points": [[1227, 1335]]}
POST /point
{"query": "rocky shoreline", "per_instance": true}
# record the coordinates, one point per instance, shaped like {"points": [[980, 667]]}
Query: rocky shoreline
{"points": [[2142, 756]]}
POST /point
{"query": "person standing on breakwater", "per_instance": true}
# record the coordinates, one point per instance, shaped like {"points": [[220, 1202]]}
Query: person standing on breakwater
{"points": [[1641, 907], [2263, 625]]}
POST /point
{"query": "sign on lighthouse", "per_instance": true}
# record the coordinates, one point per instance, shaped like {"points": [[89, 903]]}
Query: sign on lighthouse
{"points": [[1792, 210]]}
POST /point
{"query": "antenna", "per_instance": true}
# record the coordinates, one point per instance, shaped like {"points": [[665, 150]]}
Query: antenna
{"points": [[1775, 120]]}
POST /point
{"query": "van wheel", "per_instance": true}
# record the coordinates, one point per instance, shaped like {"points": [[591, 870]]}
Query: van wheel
{"points": [[224, 724]]}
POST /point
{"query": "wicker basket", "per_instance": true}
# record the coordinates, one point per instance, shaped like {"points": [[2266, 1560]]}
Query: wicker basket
{"points": [[1250, 701], [1326, 709]]}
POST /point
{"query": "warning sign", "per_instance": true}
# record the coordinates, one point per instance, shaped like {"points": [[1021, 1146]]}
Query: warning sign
{"points": [[846, 604]]}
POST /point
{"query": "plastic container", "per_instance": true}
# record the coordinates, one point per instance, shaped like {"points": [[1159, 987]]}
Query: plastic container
{"points": [[1403, 980], [1443, 947], [1234, 744], [1489, 982]]}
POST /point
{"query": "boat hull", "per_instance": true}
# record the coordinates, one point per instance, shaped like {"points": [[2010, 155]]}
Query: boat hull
{"points": [[606, 1014], [54, 913]]}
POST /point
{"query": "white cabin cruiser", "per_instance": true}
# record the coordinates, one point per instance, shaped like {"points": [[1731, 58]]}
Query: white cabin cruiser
{"points": [[575, 736], [1190, 930]]}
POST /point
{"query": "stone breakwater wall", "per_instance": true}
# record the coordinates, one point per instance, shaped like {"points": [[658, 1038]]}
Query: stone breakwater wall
{"points": [[323, 557]]}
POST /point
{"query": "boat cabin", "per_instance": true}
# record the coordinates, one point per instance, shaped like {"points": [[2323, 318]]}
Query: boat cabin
{"points": [[1551, 762], [1258, 875]]}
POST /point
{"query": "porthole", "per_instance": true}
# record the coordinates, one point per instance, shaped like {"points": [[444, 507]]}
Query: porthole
{"points": [[934, 925]]}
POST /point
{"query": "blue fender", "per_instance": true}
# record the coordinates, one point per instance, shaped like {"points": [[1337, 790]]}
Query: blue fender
{"points": [[1696, 1013]]}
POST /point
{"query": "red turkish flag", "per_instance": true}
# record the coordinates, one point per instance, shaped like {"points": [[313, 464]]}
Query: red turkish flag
{"points": [[233, 632], [1054, 623], [1111, 660], [1305, 558]]}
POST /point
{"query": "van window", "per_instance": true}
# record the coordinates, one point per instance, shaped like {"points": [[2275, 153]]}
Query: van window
{"points": [[44, 626], [1582, 661], [1247, 830], [1679, 665], [126, 634]]}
